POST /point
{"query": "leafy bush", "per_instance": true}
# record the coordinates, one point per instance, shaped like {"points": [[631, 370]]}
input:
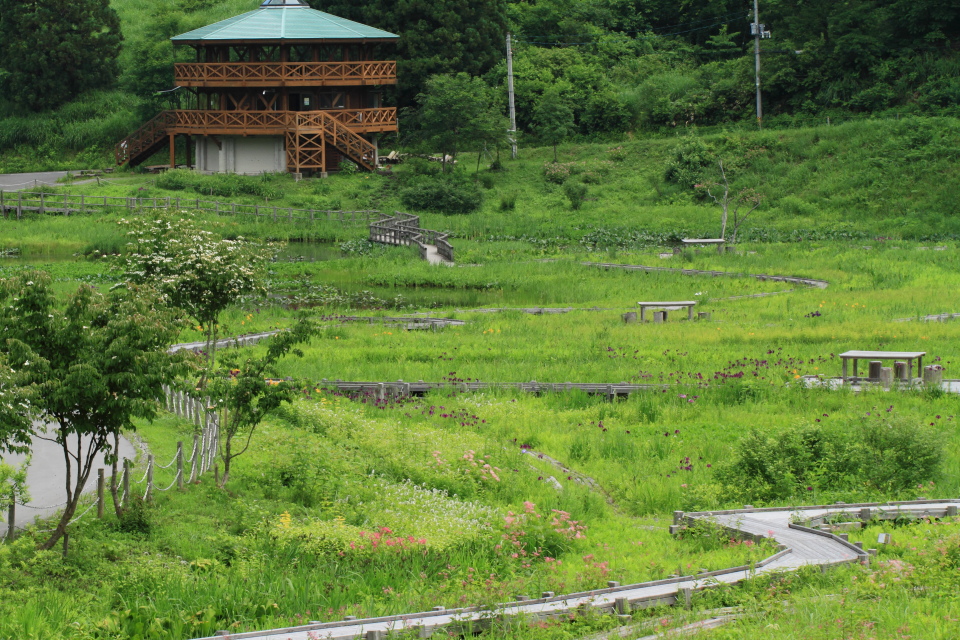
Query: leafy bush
{"points": [[226, 185], [576, 192], [442, 194], [892, 455], [556, 172], [348, 167], [689, 163], [135, 517]]}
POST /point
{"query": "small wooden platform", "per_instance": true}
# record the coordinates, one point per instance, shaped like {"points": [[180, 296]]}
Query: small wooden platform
{"points": [[668, 306], [909, 356]]}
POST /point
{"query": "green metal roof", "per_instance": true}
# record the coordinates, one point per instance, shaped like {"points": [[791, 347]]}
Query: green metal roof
{"points": [[284, 22]]}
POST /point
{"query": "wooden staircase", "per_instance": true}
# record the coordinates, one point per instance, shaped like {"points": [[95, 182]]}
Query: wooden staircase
{"points": [[145, 141], [308, 139]]}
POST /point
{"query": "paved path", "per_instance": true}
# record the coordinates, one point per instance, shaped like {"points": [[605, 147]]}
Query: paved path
{"points": [[801, 546], [16, 181], [46, 480]]}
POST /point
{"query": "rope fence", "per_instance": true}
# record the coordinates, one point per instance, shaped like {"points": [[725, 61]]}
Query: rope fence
{"points": [[202, 459]]}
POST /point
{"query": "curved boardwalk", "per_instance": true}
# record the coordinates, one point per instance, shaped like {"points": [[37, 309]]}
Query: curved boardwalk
{"points": [[807, 282], [800, 546]]}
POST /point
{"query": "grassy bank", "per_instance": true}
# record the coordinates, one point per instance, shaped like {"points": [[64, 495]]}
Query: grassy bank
{"points": [[857, 181]]}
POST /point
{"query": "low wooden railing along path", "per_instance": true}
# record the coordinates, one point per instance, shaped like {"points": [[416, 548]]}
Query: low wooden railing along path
{"points": [[799, 545], [404, 229], [61, 203]]}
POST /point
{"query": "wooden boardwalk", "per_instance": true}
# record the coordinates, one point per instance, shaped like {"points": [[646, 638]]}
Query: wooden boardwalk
{"points": [[799, 546], [807, 282], [404, 229]]}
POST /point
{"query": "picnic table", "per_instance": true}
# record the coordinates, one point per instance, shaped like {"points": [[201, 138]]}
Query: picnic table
{"points": [[717, 242], [909, 356], [667, 306]]}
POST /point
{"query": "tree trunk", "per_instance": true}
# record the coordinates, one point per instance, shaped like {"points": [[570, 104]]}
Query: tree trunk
{"points": [[555, 152]]}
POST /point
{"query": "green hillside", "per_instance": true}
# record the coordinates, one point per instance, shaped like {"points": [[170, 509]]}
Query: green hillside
{"points": [[863, 179]]}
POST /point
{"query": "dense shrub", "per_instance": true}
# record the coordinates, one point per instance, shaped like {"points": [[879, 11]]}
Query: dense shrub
{"points": [[576, 192], [442, 194], [226, 185], [690, 161], [882, 455]]}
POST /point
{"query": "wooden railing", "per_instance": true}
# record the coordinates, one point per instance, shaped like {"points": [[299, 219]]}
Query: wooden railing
{"points": [[359, 149], [346, 123], [404, 229], [277, 122], [16, 204], [274, 74], [144, 138]]}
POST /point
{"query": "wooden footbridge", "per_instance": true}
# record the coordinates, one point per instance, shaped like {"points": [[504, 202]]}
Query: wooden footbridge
{"points": [[404, 229], [792, 528]]}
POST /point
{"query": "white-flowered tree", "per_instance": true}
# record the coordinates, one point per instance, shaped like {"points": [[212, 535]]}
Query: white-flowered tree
{"points": [[195, 270]]}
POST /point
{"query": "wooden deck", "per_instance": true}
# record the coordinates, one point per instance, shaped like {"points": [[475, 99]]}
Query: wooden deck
{"points": [[800, 546], [284, 74]]}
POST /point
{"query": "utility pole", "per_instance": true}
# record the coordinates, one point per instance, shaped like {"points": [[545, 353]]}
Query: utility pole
{"points": [[759, 32], [513, 106]]}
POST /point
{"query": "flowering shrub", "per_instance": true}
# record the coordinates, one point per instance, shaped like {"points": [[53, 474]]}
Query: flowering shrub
{"points": [[530, 535], [556, 172]]}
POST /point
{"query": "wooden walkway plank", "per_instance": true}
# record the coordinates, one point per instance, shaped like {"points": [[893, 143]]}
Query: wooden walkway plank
{"points": [[804, 547]]}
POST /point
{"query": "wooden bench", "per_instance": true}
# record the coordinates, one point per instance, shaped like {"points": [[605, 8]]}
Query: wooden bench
{"points": [[667, 306], [909, 356]]}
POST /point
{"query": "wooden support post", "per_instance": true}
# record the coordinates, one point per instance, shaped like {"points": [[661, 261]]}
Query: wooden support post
{"points": [[203, 452], [630, 317], [101, 485], [193, 462], [684, 596], [173, 151], [886, 377], [180, 465], [690, 312], [126, 483], [873, 373], [148, 495]]}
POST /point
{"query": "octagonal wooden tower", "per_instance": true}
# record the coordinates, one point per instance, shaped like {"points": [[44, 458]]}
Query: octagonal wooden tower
{"points": [[281, 88]]}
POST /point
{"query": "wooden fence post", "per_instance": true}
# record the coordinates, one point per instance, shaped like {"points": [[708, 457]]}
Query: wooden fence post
{"points": [[100, 491], [149, 493], [180, 464], [193, 462], [126, 483], [202, 456]]}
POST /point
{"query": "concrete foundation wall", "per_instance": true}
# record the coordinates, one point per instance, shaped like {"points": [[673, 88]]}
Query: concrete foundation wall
{"points": [[238, 154]]}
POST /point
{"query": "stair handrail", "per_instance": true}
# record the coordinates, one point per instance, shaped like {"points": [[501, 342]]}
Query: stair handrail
{"points": [[133, 145]]}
